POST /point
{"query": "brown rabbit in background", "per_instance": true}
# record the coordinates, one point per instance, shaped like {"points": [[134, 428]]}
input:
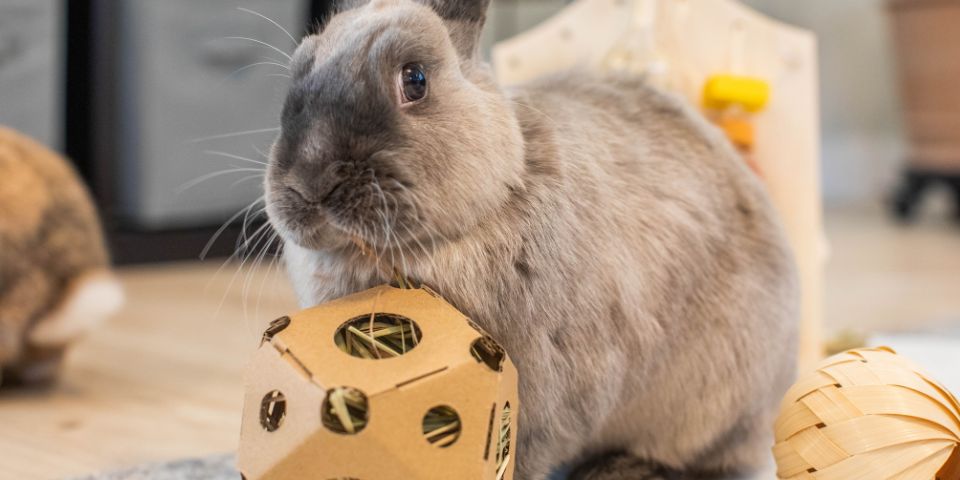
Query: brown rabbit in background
{"points": [[607, 236], [55, 282]]}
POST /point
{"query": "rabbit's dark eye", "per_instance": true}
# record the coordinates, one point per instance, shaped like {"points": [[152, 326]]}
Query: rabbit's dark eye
{"points": [[413, 83]]}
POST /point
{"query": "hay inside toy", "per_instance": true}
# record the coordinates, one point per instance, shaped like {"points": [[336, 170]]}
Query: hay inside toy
{"points": [[345, 410], [503, 444], [273, 409], [377, 336], [344, 413], [441, 426]]}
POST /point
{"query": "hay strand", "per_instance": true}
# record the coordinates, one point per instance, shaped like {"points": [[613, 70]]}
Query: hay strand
{"points": [[377, 336], [345, 410], [273, 410], [441, 426], [503, 443]]}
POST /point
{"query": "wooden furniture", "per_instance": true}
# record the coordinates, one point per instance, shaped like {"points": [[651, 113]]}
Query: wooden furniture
{"points": [[162, 381], [928, 45]]}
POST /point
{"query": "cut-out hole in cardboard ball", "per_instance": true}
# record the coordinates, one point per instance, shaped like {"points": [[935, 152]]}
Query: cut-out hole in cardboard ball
{"points": [[486, 448], [275, 327], [377, 336], [345, 410], [489, 352], [273, 409], [503, 444], [441, 426]]}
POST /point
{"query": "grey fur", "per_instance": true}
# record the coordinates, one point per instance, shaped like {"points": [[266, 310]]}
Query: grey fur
{"points": [[607, 236]]}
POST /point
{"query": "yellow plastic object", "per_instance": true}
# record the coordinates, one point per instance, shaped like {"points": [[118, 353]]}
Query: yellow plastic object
{"points": [[724, 91], [868, 414]]}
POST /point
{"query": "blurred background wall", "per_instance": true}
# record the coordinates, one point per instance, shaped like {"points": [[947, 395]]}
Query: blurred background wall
{"points": [[863, 141], [32, 67], [133, 90], [148, 99]]}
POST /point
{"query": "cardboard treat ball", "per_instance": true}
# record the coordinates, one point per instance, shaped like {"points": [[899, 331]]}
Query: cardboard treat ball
{"points": [[868, 414], [384, 384]]}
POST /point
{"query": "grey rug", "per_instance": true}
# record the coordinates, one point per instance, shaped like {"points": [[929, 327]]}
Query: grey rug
{"points": [[220, 467]]}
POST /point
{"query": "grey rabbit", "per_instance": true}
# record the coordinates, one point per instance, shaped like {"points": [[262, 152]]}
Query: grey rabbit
{"points": [[55, 277], [611, 239]]}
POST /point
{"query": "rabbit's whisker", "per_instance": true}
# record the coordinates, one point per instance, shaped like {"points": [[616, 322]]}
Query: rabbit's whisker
{"points": [[252, 65], [244, 257], [284, 30], [270, 268], [265, 44], [233, 156], [243, 239], [235, 134], [261, 152], [246, 179], [210, 176], [432, 231], [253, 269], [223, 227]]}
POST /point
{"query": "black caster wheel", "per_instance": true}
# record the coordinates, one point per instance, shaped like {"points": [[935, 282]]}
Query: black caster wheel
{"points": [[955, 187], [905, 201], [903, 208]]}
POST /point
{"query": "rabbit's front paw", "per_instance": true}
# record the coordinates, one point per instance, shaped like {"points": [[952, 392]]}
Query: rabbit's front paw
{"points": [[622, 467], [35, 367]]}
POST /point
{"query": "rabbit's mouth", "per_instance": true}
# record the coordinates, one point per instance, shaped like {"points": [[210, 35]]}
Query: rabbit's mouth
{"points": [[372, 215], [301, 221]]}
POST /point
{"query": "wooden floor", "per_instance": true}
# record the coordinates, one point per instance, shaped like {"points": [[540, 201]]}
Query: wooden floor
{"points": [[882, 277], [164, 379], [161, 381]]}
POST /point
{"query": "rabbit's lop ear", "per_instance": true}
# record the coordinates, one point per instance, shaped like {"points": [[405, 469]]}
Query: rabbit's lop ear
{"points": [[464, 19]]}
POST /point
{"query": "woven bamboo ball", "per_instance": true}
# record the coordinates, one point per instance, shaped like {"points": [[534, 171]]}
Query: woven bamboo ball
{"points": [[868, 414]]}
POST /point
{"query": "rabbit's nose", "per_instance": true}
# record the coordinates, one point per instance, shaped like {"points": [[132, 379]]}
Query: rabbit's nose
{"points": [[301, 194], [308, 180]]}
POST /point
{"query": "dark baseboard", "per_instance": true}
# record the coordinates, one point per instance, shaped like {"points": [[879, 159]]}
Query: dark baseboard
{"points": [[132, 247]]}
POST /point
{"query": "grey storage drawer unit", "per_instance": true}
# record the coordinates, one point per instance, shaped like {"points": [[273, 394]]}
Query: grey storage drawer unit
{"points": [[181, 79], [31, 73]]}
